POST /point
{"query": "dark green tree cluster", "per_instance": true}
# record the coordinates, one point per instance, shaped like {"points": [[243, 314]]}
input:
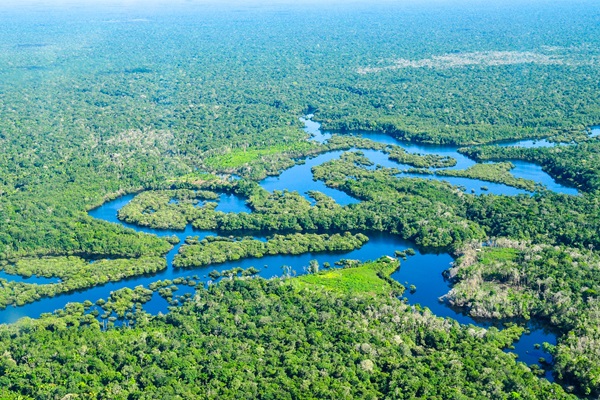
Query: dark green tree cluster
{"points": [[75, 273], [543, 218], [560, 285], [266, 339], [494, 172], [214, 250], [576, 164]]}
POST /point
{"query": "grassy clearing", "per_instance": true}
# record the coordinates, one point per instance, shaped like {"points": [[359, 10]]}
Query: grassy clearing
{"points": [[496, 254], [239, 157], [369, 278]]}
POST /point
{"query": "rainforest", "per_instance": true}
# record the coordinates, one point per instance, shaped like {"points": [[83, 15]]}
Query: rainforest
{"points": [[276, 199]]}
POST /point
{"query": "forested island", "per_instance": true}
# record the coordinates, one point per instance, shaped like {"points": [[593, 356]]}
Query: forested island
{"points": [[219, 200]]}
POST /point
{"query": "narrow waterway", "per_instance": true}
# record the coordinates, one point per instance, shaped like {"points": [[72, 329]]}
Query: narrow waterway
{"points": [[424, 270], [522, 169]]}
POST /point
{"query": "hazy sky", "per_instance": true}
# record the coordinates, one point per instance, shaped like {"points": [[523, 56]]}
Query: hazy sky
{"points": [[146, 3], [178, 2], [152, 7]]}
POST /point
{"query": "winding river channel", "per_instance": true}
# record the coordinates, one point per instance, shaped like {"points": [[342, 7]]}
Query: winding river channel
{"points": [[424, 270]]}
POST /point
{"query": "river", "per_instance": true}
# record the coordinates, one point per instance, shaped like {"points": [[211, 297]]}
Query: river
{"points": [[424, 270]]}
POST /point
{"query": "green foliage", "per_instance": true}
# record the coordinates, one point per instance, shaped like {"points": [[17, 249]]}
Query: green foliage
{"points": [[430, 213], [369, 278], [394, 152], [268, 339], [165, 209], [556, 284], [576, 164], [497, 172], [75, 273], [542, 218], [239, 157], [123, 300], [127, 121], [84, 120], [214, 250], [389, 204]]}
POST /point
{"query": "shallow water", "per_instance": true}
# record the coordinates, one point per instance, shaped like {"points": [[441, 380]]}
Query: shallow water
{"points": [[528, 348], [40, 280], [232, 203]]}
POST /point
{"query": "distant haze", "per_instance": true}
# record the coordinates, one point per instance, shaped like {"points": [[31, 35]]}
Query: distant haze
{"points": [[254, 3]]}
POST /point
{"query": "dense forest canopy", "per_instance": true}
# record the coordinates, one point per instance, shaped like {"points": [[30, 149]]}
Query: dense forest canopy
{"points": [[101, 100], [94, 101]]}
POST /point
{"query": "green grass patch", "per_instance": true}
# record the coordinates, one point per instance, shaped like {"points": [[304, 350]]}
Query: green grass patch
{"points": [[369, 278], [238, 157], [495, 254]]}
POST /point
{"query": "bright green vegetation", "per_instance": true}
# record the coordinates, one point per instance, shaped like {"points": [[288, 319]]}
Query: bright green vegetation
{"points": [[95, 103], [163, 209], [214, 250], [389, 204], [558, 284], [401, 206], [240, 157], [497, 172], [256, 165], [109, 118], [269, 339], [74, 273], [543, 218], [395, 153], [369, 278]]}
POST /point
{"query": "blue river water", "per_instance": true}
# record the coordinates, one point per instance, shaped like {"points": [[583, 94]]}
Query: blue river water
{"points": [[230, 203], [522, 169], [40, 280], [424, 270]]}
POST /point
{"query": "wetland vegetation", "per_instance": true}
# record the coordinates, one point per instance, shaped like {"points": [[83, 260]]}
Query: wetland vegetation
{"points": [[214, 250], [207, 104]]}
